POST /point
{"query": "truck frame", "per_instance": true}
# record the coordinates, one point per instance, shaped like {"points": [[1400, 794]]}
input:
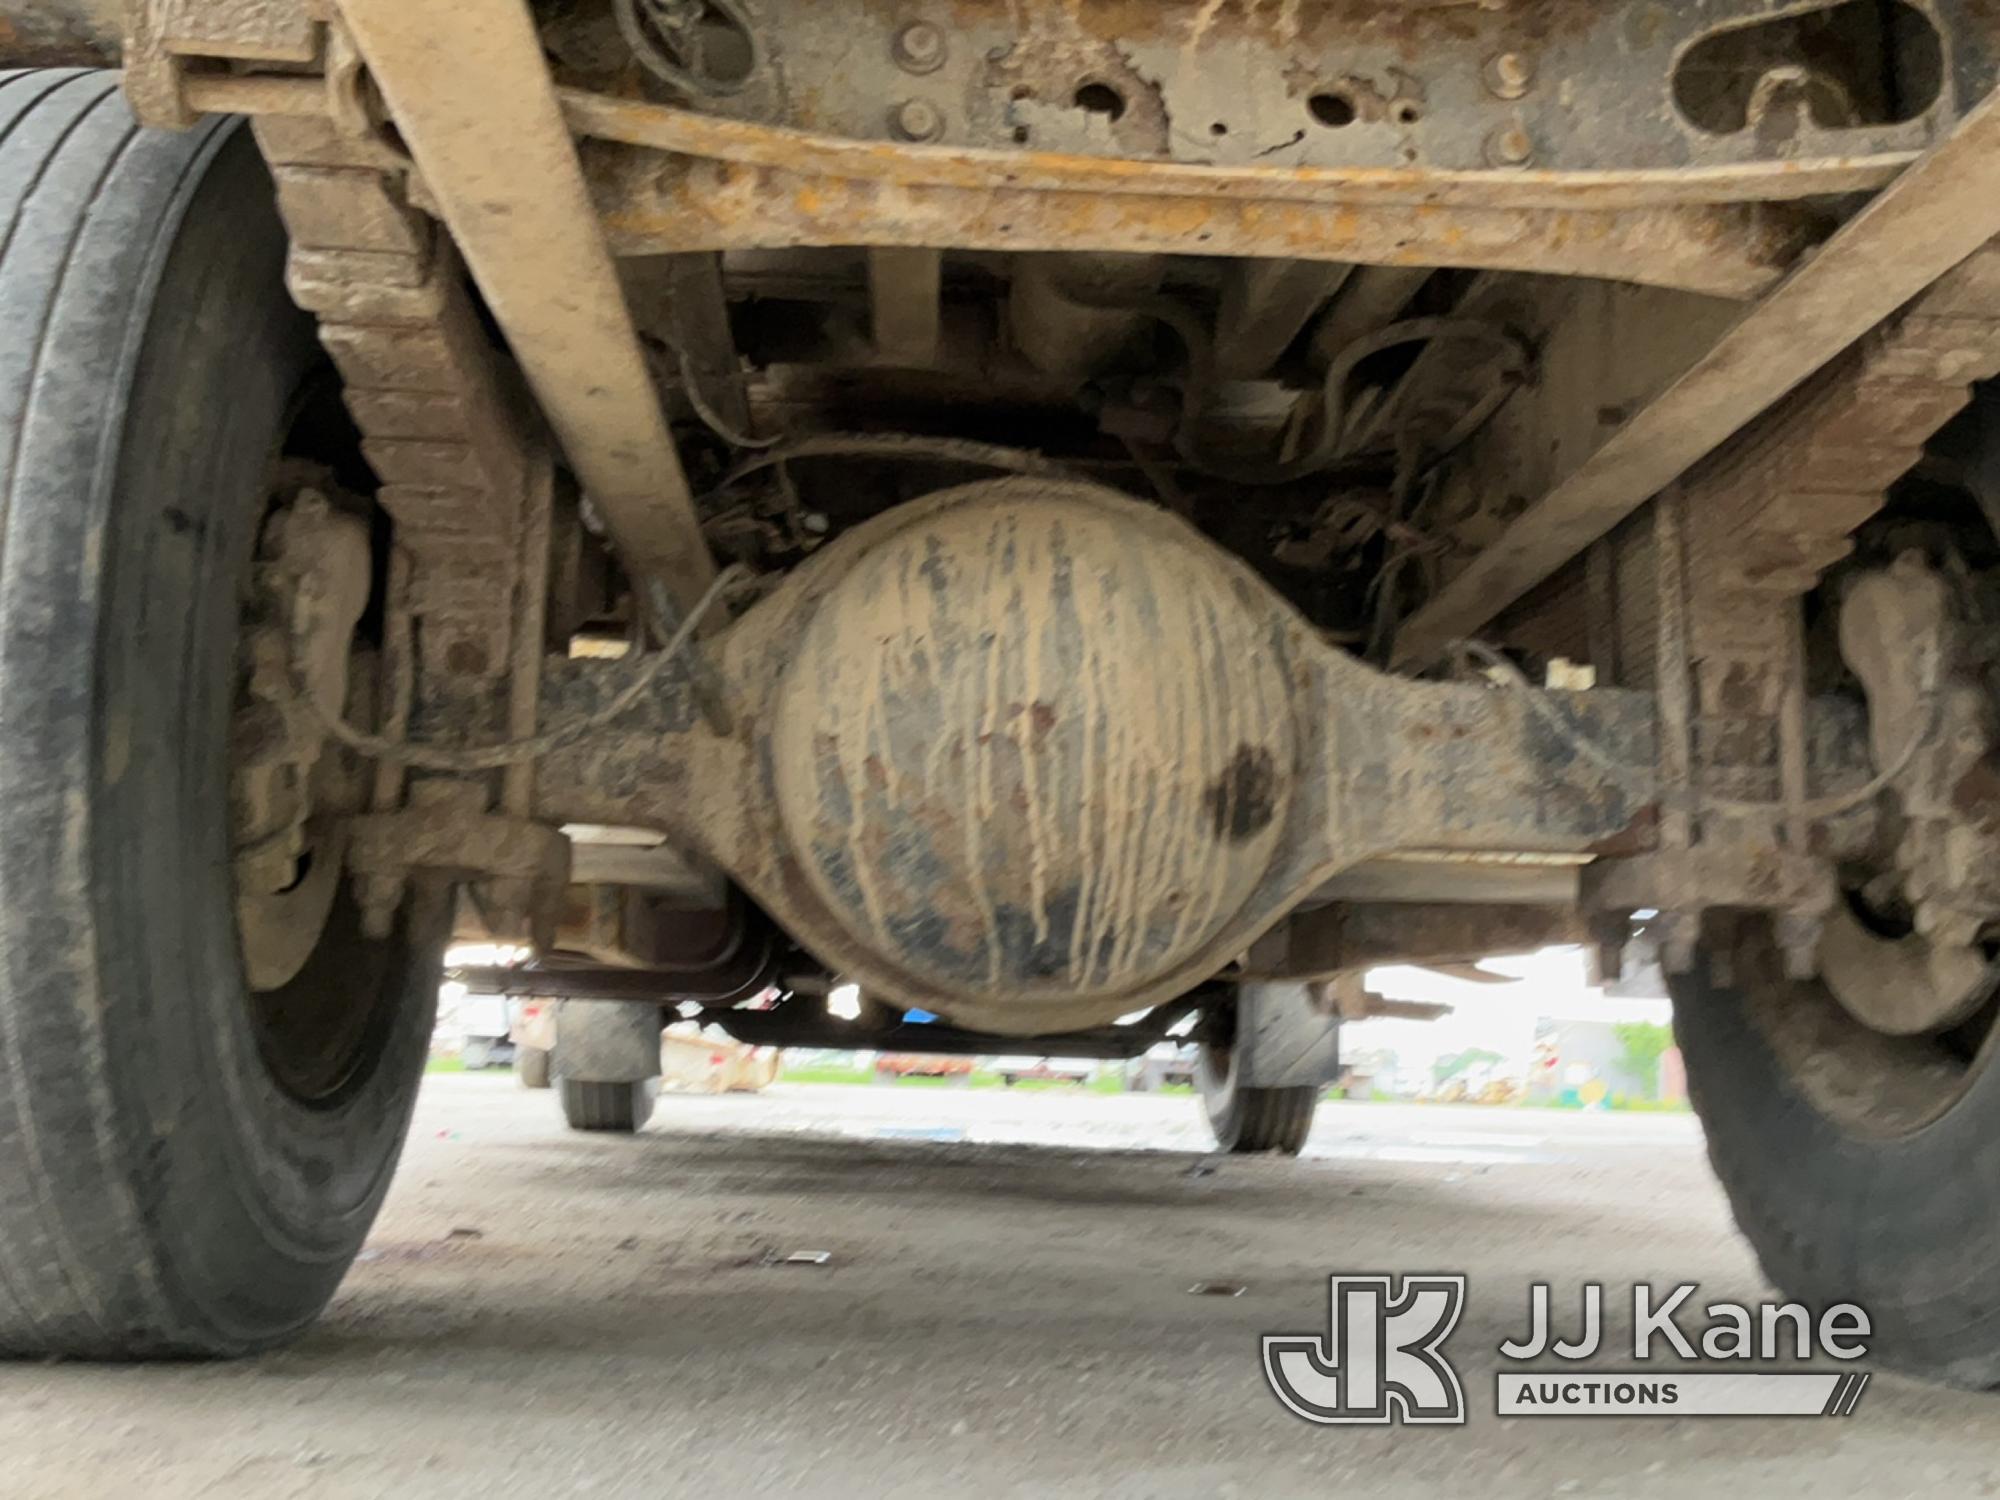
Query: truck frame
{"points": [[1045, 510]]}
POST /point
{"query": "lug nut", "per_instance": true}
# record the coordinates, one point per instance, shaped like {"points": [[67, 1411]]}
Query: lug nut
{"points": [[919, 48], [1510, 146], [1508, 75], [917, 120]]}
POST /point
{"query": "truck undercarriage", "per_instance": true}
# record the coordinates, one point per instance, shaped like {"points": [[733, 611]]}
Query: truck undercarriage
{"points": [[1049, 512]]}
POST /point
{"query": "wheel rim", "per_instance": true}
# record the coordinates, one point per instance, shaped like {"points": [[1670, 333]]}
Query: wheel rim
{"points": [[321, 1035], [319, 993], [1869, 1082], [1898, 1025]]}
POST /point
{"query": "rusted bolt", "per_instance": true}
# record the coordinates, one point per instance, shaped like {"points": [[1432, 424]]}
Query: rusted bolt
{"points": [[1510, 146], [1508, 75], [919, 48], [917, 120]]}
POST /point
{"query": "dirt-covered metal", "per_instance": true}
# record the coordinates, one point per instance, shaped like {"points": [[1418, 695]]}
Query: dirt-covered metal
{"points": [[60, 33], [1926, 237], [1348, 83], [1034, 754], [289, 790]]}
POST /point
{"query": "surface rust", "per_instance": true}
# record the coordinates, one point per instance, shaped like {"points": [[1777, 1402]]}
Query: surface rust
{"points": [[658, 206], [1026, 750], [715, 137]]}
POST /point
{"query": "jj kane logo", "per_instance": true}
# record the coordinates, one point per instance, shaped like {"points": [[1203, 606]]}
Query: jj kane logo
{"points": [[1382, 1357]]}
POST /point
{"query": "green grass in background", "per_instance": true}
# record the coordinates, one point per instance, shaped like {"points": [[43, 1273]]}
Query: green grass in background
{"points": [[825, 1073]]}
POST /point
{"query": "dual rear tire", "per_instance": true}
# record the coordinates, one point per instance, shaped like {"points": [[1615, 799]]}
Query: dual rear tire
{"points": [[606, 1063], [1261, 1071], [619, 1108], [1247, 1120], [531, 1067]]}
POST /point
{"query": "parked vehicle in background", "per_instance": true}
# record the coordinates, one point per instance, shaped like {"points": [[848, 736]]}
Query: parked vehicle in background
{"points": [[488, 1032], [889, 1066], [697, 1059], [1013, 1070], [534, 1037], [1169, 1064]]}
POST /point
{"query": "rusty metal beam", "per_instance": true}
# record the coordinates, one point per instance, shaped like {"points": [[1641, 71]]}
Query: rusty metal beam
{"points": [[658, 198], [471, 95], [716, 138], [660, 128], [749, 143], [1932, 217], [655, 204]]}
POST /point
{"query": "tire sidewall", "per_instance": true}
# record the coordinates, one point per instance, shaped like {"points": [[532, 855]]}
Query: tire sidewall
{"points": [[1903, 1225], [253, 1203], [1217, 1080]]}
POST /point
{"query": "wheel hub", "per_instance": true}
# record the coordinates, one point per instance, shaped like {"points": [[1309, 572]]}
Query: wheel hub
{"points": [[310, 587], [1904, 633]]}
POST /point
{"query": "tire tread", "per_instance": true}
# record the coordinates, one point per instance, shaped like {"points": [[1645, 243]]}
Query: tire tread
{"points": [[617, 1107], [64, 135], [1836, 1216], [160, 1194]]}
